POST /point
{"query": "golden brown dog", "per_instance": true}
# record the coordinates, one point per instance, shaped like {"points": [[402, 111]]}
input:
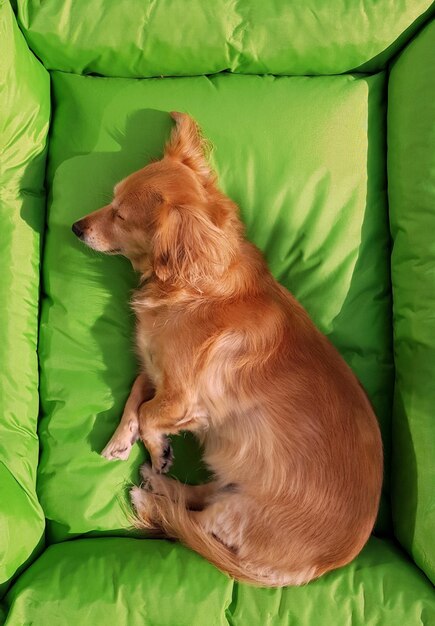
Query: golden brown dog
{"points": [[230, 355]]}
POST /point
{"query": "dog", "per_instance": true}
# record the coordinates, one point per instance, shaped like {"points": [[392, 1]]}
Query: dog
{"points": [[229, 354]]}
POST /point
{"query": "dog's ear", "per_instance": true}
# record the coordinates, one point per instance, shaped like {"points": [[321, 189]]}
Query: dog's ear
{"points": [[188, 247], [188, 146]]}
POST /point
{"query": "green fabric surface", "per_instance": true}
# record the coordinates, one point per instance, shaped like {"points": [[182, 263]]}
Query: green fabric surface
{"points": [[411, 166], [311, 185], [24, 118], [305, 158], [129, 582], [145, 38]]}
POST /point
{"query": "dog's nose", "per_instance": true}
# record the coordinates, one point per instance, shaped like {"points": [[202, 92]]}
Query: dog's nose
{"points": [[78, 230]]}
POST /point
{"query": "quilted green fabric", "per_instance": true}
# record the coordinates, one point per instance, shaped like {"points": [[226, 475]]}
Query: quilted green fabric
{"points": [[411, 164], [134, 582], [169, 38], [24, 119], [311, 185]]}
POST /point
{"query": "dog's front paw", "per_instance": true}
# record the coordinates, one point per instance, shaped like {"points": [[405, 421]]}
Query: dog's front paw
{"points": [[163, 462], [116, 450]]}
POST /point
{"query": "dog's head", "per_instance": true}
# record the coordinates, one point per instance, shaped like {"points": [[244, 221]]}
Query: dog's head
{"points": [[169, 217]]}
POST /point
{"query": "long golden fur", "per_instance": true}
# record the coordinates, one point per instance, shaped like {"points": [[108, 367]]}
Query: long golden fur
{"points": [[230, 355]]}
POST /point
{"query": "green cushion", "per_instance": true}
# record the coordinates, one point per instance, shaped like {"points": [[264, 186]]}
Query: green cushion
{"points": [[157, 583], [411, 166], [170, 38], [24, 119], [310, 181], [305, 157]]}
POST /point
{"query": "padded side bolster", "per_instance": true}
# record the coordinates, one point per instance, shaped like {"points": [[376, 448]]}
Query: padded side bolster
{"points": [[24, 119], [105, 582], [144, 38], [411, 167]]}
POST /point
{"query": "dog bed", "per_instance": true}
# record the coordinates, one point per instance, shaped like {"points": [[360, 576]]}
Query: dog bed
{"points": [[321, 120]]}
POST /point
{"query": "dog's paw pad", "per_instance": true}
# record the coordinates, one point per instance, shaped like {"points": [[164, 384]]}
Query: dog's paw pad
{"points": [[165, 460]]}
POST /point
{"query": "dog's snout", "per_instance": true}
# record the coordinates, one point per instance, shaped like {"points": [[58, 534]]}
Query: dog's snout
{"points": [[78, 229]]}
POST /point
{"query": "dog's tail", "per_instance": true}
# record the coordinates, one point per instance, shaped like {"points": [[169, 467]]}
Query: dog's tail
{"points": [[177, 522]]}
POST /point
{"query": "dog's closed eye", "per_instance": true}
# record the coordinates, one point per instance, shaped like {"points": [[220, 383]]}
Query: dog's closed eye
{"points": [[116, 214]]}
